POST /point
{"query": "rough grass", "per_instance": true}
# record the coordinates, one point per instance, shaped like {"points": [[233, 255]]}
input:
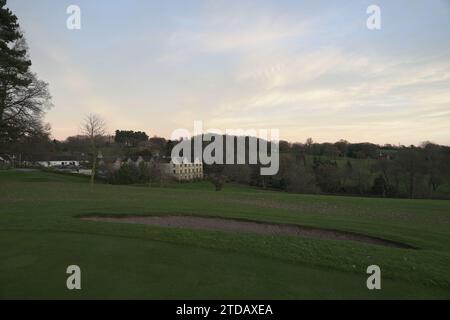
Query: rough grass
{"points": [[41, 234]]}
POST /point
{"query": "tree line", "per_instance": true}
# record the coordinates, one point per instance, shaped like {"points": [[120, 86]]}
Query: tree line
{"points": [[345, 168], [332, 168]]}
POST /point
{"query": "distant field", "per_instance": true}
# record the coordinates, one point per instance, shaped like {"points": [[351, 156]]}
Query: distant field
{"points": [[41, 234]]}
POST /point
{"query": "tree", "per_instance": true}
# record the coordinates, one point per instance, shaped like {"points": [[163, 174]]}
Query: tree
{"points": [[240, 173], [128, 173], [363, 150], [346, 173], [130, 138], [217, 180], [76, 144], [93, 128], [411, 161], [309, 143], [361, 175], [391, 173], [34, 146], [284, 146], [436, 165], [144, 172], [155, 172], [327, 176], [380, 185], [303, 180], [342, 146], [330, 150], [23, 97]]}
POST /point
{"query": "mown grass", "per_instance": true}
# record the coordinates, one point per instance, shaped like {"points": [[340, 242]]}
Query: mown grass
{"points": [[41, 234]]}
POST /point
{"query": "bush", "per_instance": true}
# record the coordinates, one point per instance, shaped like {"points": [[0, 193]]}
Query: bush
{"points": [[4, 166], [328, 178], [303, 181], [127, 174], [380, 186], [217, 180], [144, 172]]}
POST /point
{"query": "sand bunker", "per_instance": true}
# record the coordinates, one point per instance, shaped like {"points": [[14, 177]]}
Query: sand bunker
{"points": [[245, 226]]}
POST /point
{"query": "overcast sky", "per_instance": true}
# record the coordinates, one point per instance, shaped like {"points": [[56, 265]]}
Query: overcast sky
{"points": [[309, 68]]}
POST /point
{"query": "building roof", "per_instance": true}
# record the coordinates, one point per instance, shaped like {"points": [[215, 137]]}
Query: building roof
{"points": [[5, 157]]}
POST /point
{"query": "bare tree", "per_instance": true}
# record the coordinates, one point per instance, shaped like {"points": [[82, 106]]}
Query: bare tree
{"points": [[93, 128]]}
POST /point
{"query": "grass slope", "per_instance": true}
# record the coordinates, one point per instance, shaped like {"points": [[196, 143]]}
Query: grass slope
{"points": [[40, 235]]}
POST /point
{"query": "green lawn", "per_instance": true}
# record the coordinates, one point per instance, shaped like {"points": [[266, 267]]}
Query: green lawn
{"points": [[40, 235]]}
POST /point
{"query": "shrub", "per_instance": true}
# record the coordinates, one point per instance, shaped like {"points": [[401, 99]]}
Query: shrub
{"points": [[217, 180], [127, 174], [380, 186]]}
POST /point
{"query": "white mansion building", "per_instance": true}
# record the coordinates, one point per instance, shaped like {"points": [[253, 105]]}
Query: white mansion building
{"points": [[184, 170]]}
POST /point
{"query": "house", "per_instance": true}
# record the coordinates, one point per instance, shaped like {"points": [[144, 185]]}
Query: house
{"points": [[179, 170], [133, 160], [4, 160], [183, 170], [59, 163], [116, 164], [138, 160]]}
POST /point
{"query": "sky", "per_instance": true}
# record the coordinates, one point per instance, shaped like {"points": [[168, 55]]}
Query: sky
{"points": [[307, 68]]}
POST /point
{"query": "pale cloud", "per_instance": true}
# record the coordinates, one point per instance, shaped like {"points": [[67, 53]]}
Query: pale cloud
{"points": [[74, 88], [307, 68], [379, 92], [230, 32], [233, 40]]}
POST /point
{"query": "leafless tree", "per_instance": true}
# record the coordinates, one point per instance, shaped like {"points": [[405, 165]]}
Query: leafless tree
{"points": [[93, 128]]}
